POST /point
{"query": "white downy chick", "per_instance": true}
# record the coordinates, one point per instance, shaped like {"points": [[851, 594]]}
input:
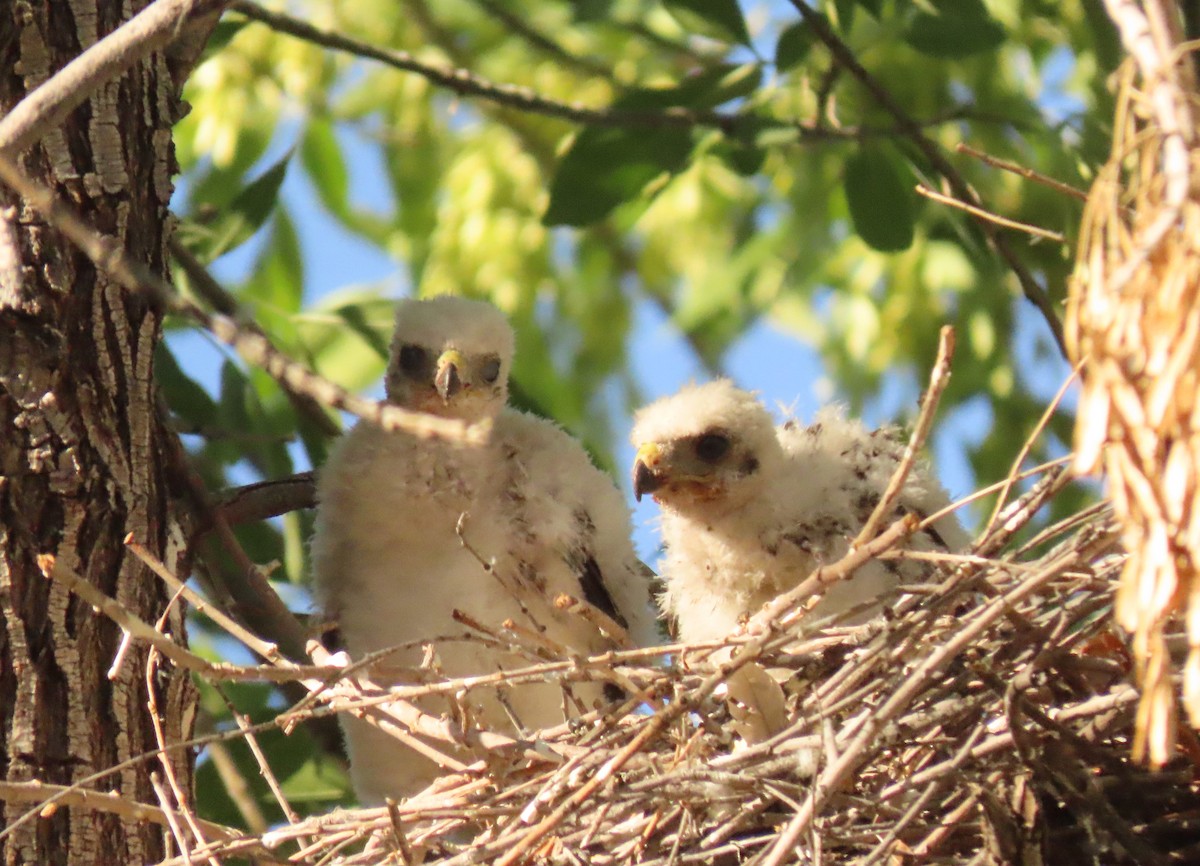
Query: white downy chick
{"points": [[750, 509], [390, 565]]}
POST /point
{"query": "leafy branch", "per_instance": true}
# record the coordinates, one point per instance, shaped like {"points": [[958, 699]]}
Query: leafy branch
{"points": [[911, 129]]}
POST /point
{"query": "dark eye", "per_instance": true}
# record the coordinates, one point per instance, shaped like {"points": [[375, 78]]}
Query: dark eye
{"points": [[412, 359], [490, 371], [711, 447]]}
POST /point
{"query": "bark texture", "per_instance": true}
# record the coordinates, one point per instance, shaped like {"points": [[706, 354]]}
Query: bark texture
{"points": [[83, 456]]}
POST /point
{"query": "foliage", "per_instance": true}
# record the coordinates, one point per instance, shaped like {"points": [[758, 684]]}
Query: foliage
{"points": [[732, 168]]}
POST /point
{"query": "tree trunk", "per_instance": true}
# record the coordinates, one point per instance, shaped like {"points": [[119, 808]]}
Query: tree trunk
{"points": [[83, 456]]}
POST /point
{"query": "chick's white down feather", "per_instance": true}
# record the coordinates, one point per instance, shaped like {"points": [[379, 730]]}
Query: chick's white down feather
{"points": [[749, 509], [390, 566]]}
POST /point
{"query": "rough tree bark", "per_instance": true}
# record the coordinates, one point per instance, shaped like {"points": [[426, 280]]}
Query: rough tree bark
{"points": [[83, 456]]}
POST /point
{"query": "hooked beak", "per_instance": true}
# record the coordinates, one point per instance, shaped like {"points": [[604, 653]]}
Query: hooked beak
{"points": [[447, 380], [644, 478]]}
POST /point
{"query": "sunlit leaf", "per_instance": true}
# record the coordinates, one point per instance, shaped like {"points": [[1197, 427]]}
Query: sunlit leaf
{"points": [[246, 214], [277, 281], [321, 155], [844, 12], [879, 193], [720, 19], [793, 46], [958, 28], [221, 36], [708, 88], [606, 167]]}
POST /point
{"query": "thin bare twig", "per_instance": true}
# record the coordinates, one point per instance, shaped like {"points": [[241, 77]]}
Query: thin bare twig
{"points": [[988, 216], [939, 378], [1022, 171]]}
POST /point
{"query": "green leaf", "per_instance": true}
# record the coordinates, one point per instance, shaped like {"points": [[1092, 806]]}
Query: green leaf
{"points": [[742, 156], [606, 167], [355, 319], [591, 10], [345, 336], [875, 7], [844, 12], [184, 396], [879, 193], [719, 19], [793, 46], [246, 214], [706, 89], [321, 156], [958, 28], [221, 36], [277, 280]]}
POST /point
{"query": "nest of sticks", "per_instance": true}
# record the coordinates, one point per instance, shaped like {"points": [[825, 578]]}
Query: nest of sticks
{"points": [[987, 718]]}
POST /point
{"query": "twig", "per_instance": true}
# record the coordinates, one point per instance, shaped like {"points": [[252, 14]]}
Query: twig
{"points": [[939, 378], [1011, 477], [224, 303], [237, 788], [254, 348], [49, 797], [53, 567], [164, 800], [267, 650], [177, 792], [988, 216], [1023, 171], [266, 499], [157, 25]]}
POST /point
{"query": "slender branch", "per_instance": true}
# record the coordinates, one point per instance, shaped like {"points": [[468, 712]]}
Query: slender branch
{"points": [[223, 302], [466, 83], [939, 378], [266, 499], [53, 567], [268, 651], [987, 216], [159, 24], [1022, 171], [932, 152], [98, 801]]}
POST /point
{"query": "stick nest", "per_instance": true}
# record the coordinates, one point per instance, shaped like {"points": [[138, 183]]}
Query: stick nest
{"points": [[987, 718]]}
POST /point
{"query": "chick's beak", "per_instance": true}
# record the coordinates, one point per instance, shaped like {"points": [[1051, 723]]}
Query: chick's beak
{"points": [[447, 380], [645, 479]]}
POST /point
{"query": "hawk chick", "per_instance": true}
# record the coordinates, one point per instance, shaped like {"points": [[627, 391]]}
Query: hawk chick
{"points": [[750, 509], [405, 525]]}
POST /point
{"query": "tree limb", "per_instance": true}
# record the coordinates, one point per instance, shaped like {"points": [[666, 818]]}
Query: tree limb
{"points": [[156, 26]]}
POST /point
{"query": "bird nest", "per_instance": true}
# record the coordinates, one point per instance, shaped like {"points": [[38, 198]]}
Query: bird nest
{"points": [[985, 719]]}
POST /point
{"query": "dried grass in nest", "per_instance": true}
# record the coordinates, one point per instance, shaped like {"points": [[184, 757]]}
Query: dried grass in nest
{"points": [[986, 718], [1134, 320]]}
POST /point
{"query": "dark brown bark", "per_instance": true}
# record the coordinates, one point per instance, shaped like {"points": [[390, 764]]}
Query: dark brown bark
{"points": [[83, 456]]}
